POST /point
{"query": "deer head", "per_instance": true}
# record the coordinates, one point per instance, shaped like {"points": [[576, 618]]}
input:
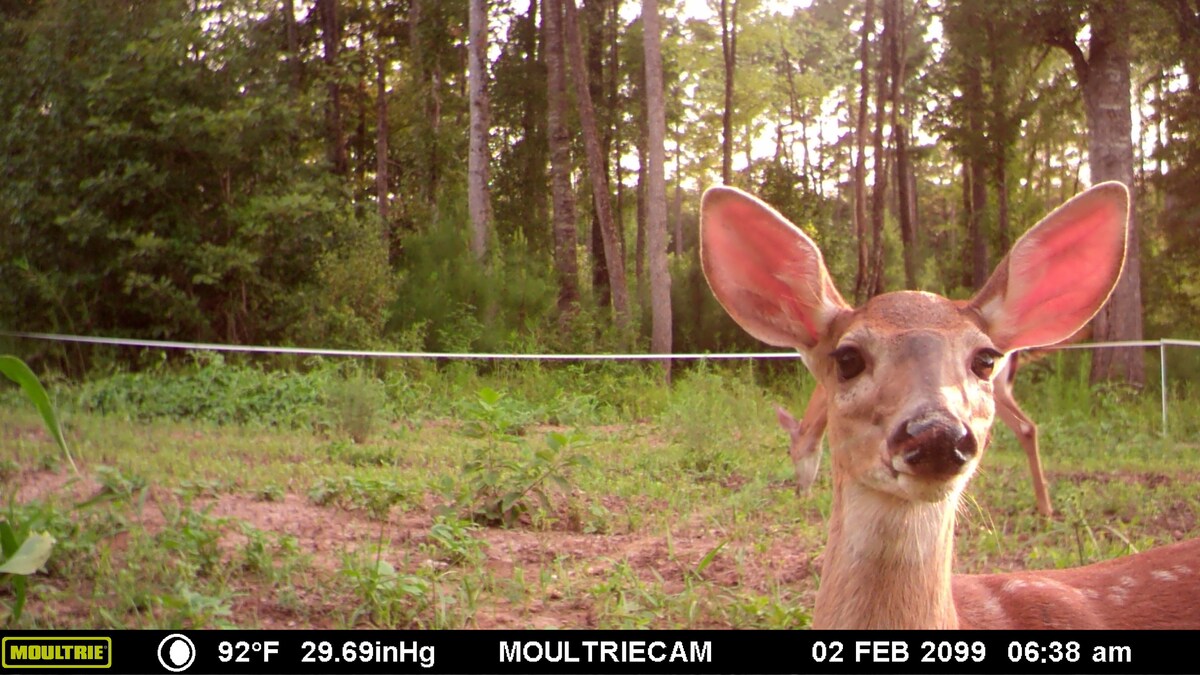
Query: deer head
{"points": [[909, 375]]}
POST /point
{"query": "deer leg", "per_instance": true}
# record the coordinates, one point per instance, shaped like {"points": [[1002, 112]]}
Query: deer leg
{"points": [[805, 447], [1016, 419]]}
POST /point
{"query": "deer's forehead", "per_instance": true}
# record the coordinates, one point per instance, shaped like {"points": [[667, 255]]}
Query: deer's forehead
{"points": [[908, 316]]}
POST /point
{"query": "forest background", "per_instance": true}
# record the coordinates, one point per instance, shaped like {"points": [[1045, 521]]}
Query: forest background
{"points": [[471, 176]]}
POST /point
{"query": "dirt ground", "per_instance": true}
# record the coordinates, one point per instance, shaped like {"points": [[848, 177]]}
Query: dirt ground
{"points": [[325, 534]]}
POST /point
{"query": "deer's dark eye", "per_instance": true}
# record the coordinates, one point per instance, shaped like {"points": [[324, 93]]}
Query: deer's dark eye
{"points": [[850, 362], [984, 362]]}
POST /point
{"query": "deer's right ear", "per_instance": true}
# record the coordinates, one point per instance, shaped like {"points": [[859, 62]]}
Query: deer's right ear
{"points": [[765, 272]]}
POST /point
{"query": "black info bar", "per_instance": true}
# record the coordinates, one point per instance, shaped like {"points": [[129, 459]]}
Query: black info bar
{"points": [[262, 652]]}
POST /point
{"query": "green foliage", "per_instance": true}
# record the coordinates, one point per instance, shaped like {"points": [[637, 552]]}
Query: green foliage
{"points": [[214, 391], [497, 489], [349, 304], [358, 455], [493, 413], [16, 370], [117, 484], [23, 553], [146, 178], [467, 306], [192, 538], [453, 540], [709, 412], [355, 403], [374, 495], [386, 597]]}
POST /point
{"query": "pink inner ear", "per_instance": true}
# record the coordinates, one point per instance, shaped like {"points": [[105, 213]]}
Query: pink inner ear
{"points": [[763, 257], [1060, 277]]}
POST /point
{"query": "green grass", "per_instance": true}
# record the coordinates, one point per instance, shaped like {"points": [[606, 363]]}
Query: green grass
{"points": [[629, 505]]}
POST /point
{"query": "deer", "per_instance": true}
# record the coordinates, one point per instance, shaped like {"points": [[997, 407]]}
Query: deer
{"points": [[804, 445], [909, 384]]}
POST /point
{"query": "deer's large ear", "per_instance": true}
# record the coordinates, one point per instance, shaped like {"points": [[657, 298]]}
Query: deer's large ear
{"points": [[1060, 273], [767, 274]]}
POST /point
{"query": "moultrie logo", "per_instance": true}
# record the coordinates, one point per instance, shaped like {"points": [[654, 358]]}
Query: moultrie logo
{"points": [[55, 652]]}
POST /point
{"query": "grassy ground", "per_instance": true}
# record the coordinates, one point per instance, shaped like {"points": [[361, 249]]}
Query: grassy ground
{"points": [[550, 497]]}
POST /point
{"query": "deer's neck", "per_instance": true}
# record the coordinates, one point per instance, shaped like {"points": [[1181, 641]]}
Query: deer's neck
{"points": [[887, 563]]}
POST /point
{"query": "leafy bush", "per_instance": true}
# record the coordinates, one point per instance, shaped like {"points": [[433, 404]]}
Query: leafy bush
{"points": [[375, 495], [493, 413], [496, 489], [212, 390], [386, 597], [354, 403], [453, 540]]}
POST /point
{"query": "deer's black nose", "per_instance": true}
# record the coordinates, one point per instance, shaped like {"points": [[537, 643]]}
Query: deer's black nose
{"points": [[933, 443]]}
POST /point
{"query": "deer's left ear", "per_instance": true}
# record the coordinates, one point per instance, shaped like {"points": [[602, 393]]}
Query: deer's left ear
{"points": [[1060, 273]]}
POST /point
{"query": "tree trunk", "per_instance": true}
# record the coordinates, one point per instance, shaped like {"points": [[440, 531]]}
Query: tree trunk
{"points": [[479, 202], [729, 52], [562, 196], [331, 38], [601, 288], [293, 44], [595, 162], [677, 209], [861, 278], [978, 205], [656, 206], [382, 182], [361, 138], [614, 99], [614, 103], [1106, 93], [533, 165], [977, 170], [640, 235], [1000, 178], [1104, 76], [898, 48], [880, 184], [1003, 117]]}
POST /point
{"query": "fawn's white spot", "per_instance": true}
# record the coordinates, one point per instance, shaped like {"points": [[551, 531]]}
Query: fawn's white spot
{"points": [[1013, 586], [1118, 596], [992, 606], [1164, 575]]}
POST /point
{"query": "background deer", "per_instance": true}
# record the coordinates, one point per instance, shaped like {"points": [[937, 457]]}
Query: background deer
{"points": [[910, 402]]}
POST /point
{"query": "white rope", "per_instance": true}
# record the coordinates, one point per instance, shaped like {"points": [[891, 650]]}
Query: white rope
{"points": [[360, 353]]}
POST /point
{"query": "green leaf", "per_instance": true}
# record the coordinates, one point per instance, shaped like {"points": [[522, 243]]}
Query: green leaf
{"points": [[8, 540], [543, 498], [509, 499], [29, 558], [556, 440], [709, 557], [16, 370], [19, 584]]}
